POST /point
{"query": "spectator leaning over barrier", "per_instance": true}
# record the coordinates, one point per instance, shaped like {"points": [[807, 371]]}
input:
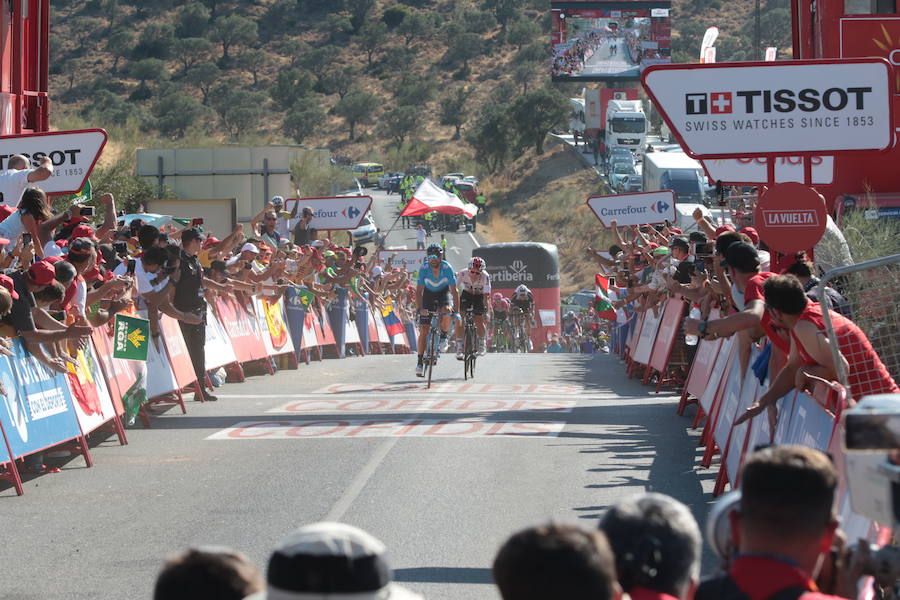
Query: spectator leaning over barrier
{"points": [[811, 350], [330, 560], [783, 528], [657, 544], [804, 270], [556, 561], [17, 176], [189, 298], [83, 256], [32, 210], [304, 233], [208, 574]]}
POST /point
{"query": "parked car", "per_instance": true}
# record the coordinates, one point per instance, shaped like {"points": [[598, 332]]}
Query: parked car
{"points": [[471, 179], [620, 172], [367, 232], [577, 302], [468, 190], [631, 183], [385, 180], [454, 177], [619, 160]]}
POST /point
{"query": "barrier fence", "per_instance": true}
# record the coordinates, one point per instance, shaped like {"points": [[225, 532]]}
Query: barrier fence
{"points": [[721, 392], [42, 409]]}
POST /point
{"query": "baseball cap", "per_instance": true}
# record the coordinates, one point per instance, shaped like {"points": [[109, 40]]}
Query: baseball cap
{"points": [[81, 245], [377, 271], [317, 243], [83, 231], [330, 560], [7, 282], [722, 229], [5, 211], [41, 273], [741, 256], [250, 247], [679, 242], [190, 234], [209, 242], [751, 233], [660, 251], [4, 241]]}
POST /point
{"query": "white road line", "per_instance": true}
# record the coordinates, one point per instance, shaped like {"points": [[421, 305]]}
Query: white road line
{"points": [[369, 395], [474, 240]]}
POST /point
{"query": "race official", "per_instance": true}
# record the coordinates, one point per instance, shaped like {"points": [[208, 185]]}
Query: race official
{"points": [[190, 298]]}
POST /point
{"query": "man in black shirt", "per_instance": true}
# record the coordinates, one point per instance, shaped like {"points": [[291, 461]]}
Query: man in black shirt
{"points": [[304, 233], [189, 298]]}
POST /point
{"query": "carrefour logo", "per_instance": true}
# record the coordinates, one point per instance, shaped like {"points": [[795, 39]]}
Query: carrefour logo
{"points": [[660, 207], [779, 101], [351, 212]]}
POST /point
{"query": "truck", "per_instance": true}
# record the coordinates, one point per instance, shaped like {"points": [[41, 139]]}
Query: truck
{"points": [[592, 107], [675, 171], [626, 125]]}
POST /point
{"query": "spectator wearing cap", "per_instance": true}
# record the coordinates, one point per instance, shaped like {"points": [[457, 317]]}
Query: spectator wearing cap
{"points": [[213, 248], [811, 349], [304, 232], [264, 224], [657, 544], [330, 560], [765, 258], [208, 573], [783, 527], [190, 299], [19, 175], [32, 210], [680, 249], [556, 561], [249, 253], [73, 218], [83, 256], [742, 265]]}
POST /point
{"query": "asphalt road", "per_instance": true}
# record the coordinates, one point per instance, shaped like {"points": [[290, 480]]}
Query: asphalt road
{"points": [[441, 476], [605, 63]]}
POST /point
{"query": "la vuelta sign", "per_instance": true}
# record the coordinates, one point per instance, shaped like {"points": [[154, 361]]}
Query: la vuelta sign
{"points": [[784, 108], [73, 154]]}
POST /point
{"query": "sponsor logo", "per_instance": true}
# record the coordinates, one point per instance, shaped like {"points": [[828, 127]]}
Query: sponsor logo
{"points": [[776, 101], [351, 212], [659, 207], [516, 272], [58, 157], [791, 218]]}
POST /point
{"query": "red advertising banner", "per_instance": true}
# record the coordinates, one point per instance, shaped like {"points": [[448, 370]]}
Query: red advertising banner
{"points": [[665, 335], [241, 328], [178, 352]]}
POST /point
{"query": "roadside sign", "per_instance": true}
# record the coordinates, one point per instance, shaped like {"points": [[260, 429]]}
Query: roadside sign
{"points": [[74, 154], [337, 212], [782, 108], [645, 208], [130, 335], [790, 217], [753, 170], [409, 260]]}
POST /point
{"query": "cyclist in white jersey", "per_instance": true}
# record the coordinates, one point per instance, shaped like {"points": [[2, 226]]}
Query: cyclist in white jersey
{"points": [[476, 293]]}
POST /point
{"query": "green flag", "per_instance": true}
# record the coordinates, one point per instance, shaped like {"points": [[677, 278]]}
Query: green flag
{"points": [[84, 196], [130, 338], [306, 297], [133, 398]]}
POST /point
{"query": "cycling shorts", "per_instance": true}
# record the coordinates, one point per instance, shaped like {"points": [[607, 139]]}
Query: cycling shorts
{"points": [[476, 301], [434, 301], [500, 315]]}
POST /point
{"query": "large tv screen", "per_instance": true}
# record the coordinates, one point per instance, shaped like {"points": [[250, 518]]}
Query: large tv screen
{"points": [[608, 41]]}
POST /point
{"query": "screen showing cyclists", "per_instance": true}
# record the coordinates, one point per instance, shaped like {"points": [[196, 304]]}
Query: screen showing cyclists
{"points": [[476, 292], [523, 317], [435, 292]]}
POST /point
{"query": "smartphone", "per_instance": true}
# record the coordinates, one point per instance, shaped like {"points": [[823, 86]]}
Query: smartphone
{"points": [[87, 211], [121, 248], [26, 239], [248, 267], [163, 238], [196, 221], [131, 265]]}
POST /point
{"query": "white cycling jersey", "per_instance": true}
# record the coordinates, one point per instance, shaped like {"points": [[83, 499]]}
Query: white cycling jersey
{"points": [[474, 283]]}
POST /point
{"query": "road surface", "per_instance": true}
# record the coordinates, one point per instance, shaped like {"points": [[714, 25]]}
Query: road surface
{"points": [[442, 476], [611, 64]]}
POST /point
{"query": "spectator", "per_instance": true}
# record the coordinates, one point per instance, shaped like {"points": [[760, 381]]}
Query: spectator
{"points": [[783, 527], [304, 233], [190, 299], [657, 544], [330, 560], [811, 350], [32, 209], [17, 177], [208, 574], [804, 271], [420, 237], [556, 561]]}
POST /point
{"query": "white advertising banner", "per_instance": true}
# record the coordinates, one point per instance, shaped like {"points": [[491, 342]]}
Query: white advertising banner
{"points": [[73, 153], [409, 260], [775, 108], [336, 213], [647, 208], [736, 171]]}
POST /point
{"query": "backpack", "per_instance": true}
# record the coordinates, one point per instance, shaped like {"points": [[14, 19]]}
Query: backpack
{"points": [[723, 587]]}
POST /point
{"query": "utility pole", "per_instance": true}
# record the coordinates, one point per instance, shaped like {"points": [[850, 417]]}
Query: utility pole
{"points": [[757, 41]]}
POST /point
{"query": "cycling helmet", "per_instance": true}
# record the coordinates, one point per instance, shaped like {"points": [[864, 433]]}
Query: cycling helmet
{"points": [[277, 201], [498, 296], [434, 249], [522, 289], [570, 315], [476, 264]]}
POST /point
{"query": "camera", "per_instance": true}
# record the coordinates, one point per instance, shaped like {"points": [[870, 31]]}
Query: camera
{"points": [[702, 250], [196, 221], [87, 211], [121, 248]]}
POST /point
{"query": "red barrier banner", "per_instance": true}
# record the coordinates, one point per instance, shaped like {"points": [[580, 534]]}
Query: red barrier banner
{"points": [[737, 446], [241, 329], [665, 335], [310, 332], [644, 344], [325, 326], [635, 334], [179, 358], [713, 388], [219, 351], [126, 379], [160, 377], [93, 402], [704, 361]]}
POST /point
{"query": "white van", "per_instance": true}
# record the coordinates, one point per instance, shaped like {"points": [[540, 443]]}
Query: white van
{"points": [[685, 220]]}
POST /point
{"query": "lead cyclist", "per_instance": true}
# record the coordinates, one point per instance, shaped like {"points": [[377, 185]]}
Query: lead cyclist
{"points": [[476, 292]]}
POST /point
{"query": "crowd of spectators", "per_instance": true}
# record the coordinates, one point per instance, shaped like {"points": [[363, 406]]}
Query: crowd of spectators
{"points": [[784, 534], [571, 60]]}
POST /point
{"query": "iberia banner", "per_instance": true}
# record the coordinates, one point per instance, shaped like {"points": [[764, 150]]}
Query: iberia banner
{"points": [[130, 335]]}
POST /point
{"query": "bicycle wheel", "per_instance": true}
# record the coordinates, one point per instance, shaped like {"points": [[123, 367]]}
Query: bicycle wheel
{"points": [[432, 343], [468, 350]]}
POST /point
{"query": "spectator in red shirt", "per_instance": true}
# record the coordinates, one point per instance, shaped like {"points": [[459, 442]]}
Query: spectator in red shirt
{"points": [[783, 527], [811, 350]]}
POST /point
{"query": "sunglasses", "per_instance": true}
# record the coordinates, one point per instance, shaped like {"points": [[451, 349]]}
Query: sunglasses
{"points": [[434, 256]]}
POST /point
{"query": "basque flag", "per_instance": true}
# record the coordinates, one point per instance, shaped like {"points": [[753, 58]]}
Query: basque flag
{"points": [[391, 322], [602, 306]]}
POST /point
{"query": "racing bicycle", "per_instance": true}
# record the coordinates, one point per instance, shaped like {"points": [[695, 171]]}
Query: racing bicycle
{"points": [[470, 344], [520, 335], [432, 344], [500, 340]]}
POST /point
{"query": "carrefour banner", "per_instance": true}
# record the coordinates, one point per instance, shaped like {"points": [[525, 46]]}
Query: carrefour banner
{"points": [[36, 408]]}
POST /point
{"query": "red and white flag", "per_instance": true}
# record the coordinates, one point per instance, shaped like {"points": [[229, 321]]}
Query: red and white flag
{"points": [[430, 198]]}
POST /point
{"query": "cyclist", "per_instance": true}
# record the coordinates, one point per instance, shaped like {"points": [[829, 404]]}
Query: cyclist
{"points": [[500, 319], [571, 324], [476, 293], [523, 299], [436, 291]]}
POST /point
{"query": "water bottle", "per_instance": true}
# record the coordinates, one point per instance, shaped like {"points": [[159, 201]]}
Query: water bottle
{"points": [[691, 340]]}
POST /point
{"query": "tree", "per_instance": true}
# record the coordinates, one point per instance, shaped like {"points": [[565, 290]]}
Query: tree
{"points": [[394, 15], [417, 25], [463, 48], [192, 51], [109, 107], [536, 113], [337, 80], [239, 110], [175, 113], [303, 119], [73, 68], [233, 30], [156, 41], [294, 50], [455, 109], [534, 52], [83, 29], [291, 84], [490, 136], [401, 121], [523, 32], [204, 76], [372, 36], [148, 69], [319, 60], [412, 90], [503, 10], [192, 20], [523, 74], [253, 61], [119, 44], [356, 108], [359, 10], [338, 25]]}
